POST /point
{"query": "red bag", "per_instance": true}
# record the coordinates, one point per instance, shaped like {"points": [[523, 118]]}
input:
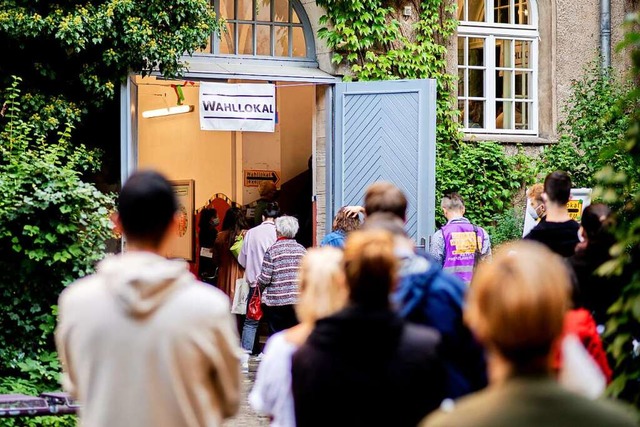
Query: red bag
{"points": [[254, 311]]}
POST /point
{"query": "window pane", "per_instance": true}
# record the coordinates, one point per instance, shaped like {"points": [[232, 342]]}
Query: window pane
{"points": [[461, 82], [523, 115], [503, 115], [463, 118], [294, 17], [299, 45], [523, 54], [282, 10], [282, 41], [245, 10], [227, 39], [504, 49], [522, 12], [245, 39], [503, 84], [460, 10], [523, 84], [263, 40], [476, 10], [476, 114], [263, 10], [476, 52], [501, 13], [476, 83], [227, 10], [461, 57]]}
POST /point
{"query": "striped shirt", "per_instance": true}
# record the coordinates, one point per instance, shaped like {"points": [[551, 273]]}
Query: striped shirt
{"points": [[280, 272]]}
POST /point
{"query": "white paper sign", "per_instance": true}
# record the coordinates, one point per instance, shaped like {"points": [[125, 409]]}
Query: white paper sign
{"points": [[242, 107]]}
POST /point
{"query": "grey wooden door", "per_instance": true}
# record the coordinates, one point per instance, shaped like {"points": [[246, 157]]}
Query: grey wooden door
{"points": [[386, 131]]}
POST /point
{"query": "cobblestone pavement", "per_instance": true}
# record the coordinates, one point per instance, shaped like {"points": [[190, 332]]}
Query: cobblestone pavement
{"points": [[246, 417]]}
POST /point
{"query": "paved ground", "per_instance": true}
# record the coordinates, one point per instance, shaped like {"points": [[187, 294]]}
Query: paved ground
{"points": [[247, 417]]}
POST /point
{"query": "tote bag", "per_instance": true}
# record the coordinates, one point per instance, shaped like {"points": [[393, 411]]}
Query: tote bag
{"points": [[239, 304]]}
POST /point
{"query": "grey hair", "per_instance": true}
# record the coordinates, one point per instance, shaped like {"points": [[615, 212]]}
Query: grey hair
{"points": [[287, 226], [452, 202]]}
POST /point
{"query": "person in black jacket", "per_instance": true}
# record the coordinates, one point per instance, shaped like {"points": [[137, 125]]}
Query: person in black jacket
{"points": [[364, 365], [559, 232]]}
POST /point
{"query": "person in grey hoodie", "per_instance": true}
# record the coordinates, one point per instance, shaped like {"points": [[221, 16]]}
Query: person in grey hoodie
{"points": [[141, 341]]}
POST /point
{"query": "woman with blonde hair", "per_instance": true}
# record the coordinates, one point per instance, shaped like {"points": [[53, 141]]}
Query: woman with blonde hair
{"points": [[363, 366], [516, 307], [322, 293]]}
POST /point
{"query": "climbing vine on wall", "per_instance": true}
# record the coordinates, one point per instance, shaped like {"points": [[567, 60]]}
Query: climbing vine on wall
{"points": [[368, 39]]}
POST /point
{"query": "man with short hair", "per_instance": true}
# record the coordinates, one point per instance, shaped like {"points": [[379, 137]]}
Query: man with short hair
{"points": [[142, 342], [459, 245], [256, 242], [558, 232]]}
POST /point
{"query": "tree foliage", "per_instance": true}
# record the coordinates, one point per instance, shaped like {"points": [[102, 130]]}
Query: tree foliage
{"points": [[53, 230], [620, 186], [84, 50]]}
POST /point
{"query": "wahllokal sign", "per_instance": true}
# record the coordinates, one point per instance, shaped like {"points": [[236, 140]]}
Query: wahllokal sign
{"points": [[242, 107]]}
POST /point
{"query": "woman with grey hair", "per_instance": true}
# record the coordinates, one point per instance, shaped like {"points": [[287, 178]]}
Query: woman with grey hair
{"points": [[279, 276]]}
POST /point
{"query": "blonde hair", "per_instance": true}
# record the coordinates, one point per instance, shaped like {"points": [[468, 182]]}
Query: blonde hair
{"points": [[322, 286], [535, 192], [516, 303], [370, 267]]}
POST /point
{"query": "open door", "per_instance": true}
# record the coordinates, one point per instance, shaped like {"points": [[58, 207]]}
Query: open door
{"points": [[386, 131]]}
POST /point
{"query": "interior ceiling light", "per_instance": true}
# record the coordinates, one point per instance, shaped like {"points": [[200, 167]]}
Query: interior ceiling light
{"points": [[178, 109]]}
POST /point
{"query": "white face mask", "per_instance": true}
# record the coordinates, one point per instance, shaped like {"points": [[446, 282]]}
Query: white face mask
{"points": [[531, 211]]}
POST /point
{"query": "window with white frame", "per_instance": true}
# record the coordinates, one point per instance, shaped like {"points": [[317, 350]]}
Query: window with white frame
{"points": [[497, 66], [261, 28]]}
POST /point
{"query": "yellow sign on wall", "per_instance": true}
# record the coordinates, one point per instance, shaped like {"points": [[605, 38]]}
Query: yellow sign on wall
{"points": [[575, 209]]}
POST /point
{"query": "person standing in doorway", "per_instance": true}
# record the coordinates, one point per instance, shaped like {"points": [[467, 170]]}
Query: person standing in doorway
{"points": [[256, 242], [559, 232], [142, 342], [268, 194], [459, 245]]}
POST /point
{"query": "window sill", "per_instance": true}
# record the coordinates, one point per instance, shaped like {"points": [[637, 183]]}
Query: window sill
{"points": [[510, 139]]}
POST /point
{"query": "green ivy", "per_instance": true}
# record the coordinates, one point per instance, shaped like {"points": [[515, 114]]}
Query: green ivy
{"points": [[597, 117], [53, 230], [620, 187]]}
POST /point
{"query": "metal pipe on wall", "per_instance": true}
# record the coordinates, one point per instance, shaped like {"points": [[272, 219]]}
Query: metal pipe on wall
{"points": [[605, 33]]}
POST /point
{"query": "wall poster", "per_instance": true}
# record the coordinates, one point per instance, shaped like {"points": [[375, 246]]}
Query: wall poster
{"points": [[182, 246]]}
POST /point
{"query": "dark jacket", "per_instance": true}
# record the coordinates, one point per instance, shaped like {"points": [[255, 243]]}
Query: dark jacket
{"points": [[363, 367], [595, 293], [429, 296], [560, 237]]}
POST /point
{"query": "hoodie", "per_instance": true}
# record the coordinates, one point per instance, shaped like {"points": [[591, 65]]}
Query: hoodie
{"points": [[143, 343], [560, 237]]}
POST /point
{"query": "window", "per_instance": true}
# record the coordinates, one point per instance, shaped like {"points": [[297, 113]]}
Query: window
{"points": [[497, 66], [261, 28]]}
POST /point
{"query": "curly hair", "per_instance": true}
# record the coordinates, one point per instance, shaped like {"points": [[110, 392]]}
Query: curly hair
{"points": [[344, 222]]}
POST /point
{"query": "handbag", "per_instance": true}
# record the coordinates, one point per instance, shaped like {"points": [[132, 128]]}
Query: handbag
{"points": [[239, 304], [254, 310], [237, 245]]}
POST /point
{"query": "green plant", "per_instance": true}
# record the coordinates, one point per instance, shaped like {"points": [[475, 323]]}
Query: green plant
{"points": [[506, 227], [597, 117], [485, 177], [620, 186], [366, 38], [53, 230]]}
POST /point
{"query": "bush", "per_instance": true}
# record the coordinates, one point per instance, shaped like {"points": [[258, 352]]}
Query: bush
{"points": [[53, 230], [486, 178]]}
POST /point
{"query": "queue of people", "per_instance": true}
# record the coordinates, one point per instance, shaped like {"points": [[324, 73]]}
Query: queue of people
{"points": [[365, 330]]}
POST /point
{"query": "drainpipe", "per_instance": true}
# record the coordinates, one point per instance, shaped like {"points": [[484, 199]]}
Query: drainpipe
{"points": [[605, 33]]}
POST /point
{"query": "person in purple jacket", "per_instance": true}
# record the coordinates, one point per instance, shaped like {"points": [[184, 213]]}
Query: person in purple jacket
{"points": [[459, 245]]}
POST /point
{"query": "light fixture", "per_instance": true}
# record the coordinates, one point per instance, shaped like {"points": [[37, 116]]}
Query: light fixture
{"points": [[178, 109]]}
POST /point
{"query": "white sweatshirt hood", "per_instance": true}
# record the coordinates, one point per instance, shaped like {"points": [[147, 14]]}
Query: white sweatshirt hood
{"points": [[141, 281]]}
